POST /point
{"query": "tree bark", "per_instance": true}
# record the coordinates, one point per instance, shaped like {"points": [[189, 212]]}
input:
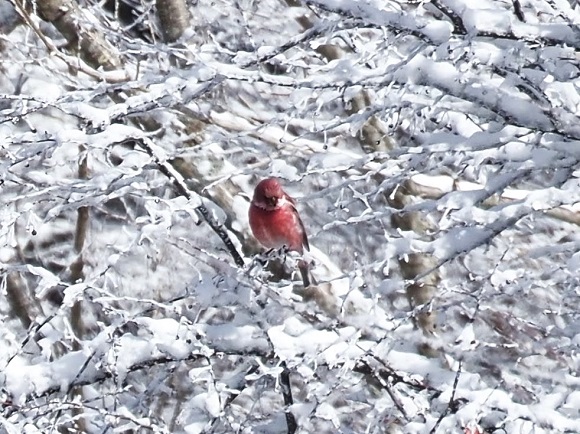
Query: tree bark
{"points": [[174, 18], [419, 293], [374, 136], [89, 43]]}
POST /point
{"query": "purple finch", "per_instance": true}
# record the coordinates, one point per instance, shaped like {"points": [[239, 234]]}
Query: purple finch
{"points": [[275, 222]]}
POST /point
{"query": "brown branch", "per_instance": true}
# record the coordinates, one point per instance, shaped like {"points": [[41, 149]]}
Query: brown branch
{"points": [[20, 306], [92, 46], [77, 274], [382, 378], [419, 293], [77, 267]]}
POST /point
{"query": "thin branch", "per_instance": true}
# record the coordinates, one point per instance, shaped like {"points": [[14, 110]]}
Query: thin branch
{"points": [[451, 403], [288, 400], [450, 13], [518, 11], [384, 379], [181, 187], [321, 29], [434, 187]]}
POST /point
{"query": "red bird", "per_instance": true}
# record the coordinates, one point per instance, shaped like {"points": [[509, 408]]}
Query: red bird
{"points": [[275, 222]]}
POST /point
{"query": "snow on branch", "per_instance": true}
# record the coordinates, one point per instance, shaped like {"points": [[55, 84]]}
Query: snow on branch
{"points": [[479, 103], [470, 22], [435, 187], [121, 134]]}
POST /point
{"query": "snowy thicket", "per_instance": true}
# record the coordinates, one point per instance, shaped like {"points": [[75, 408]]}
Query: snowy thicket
{"points": [[432, 148]]}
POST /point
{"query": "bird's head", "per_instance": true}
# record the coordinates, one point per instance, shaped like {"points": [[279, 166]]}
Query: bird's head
{"points": [[268, 194]]}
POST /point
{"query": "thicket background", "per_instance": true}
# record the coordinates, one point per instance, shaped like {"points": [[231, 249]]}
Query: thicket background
{"points": [[432, 147]]}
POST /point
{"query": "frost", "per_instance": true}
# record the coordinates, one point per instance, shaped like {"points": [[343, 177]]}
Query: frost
{"points": [[281, 169], [431, 148], [73, 294]]}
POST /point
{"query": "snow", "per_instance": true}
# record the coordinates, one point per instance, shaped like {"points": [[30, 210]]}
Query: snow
{"points": [[433, 155]]}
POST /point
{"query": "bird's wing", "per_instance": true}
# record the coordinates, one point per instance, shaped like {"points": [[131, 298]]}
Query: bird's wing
{"points": [[290, 199], [304, 236], [292, 202]]}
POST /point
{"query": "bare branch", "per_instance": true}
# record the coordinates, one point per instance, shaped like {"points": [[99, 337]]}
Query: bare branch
{"points": [[288, 401], [179, 184]]}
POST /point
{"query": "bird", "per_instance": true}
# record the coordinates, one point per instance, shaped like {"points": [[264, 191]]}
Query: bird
{"points": [[275, 222]]}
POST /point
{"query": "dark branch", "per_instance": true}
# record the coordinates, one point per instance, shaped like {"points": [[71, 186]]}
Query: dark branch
{"points": [[455, 19], [518, 11], [288, 400], [182, 189], [451, 403]]}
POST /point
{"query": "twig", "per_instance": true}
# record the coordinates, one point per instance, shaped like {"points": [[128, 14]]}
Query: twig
{"points": [[519, 11], [452, 15], [451, 399], [30, 336], [179, 183], [384, 379], [288, 400]]}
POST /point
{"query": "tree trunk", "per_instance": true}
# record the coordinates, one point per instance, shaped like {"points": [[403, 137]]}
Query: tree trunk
{"points": [[420, 293], [174, 18], [89, 43]]}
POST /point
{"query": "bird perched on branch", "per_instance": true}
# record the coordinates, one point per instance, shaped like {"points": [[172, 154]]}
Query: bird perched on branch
{"points": [[275, 222]]}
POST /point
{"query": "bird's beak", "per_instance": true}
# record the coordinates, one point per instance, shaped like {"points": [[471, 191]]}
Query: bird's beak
{"points": [[272, 201]]}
